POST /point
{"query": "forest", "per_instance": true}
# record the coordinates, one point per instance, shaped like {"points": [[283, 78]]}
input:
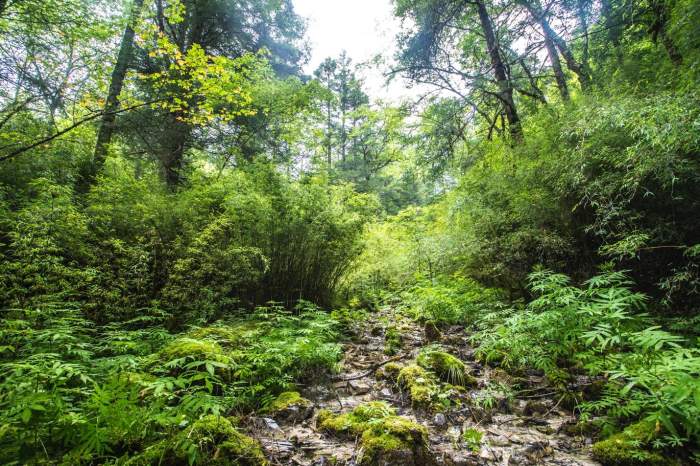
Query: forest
{"points": [[211, 256]]}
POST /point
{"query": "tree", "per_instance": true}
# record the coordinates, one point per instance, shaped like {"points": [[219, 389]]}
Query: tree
{"points": [[124, 61], [216, 29], [445, 50]]}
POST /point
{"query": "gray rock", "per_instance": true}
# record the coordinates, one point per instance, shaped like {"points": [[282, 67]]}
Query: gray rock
{"points": [[358, 387], [271, 424], [440, 420]]}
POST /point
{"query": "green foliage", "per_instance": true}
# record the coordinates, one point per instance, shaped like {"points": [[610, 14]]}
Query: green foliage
{"points": [[473, 438], [652, 374], [75, 392], [447, 367]]}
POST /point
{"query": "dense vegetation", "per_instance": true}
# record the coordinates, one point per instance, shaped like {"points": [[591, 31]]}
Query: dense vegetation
{"points": [[181, 208]]}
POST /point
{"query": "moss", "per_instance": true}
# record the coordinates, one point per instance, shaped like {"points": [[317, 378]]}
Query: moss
{"points": [[447, 367], [215, 441], [385, 438], [394, 440], [221, 442], [627, 448], [184, 350], [286, 400], [411, 375], [389, 371], [355, 422], [420, 385], [392, 341], [226, 336]]}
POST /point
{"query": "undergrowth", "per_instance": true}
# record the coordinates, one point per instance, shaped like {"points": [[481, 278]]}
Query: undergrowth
{"points": [[601, 329], [73, 393]]}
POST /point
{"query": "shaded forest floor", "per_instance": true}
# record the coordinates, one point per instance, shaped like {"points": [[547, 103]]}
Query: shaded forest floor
{"points": [[493, 418]]}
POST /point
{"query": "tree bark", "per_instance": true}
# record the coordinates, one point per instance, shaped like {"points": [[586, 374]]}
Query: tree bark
{"points": [[104, 136], [556, 67], [176, 140], [499, 70], [659, 31], [581, 69]]}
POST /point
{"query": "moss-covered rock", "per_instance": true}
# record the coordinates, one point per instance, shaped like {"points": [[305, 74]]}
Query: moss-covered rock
{"points": [[289, 406], [447, 367], [224, 335], [389, 371], [185, 350], [395, 440], [210, 440], [628, 448], [420, 384], [385, 438], [355, 422]]}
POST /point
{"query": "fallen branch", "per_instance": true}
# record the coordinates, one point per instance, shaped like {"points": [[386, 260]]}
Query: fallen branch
{"points": [[371, 369]]}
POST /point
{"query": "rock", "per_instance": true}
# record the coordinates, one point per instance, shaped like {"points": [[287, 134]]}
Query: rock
{"points": [[290, 407], [386, 393], [440, 420], [481, 415], [499, 441], [270, 424], [533, 408], [358, 387]]}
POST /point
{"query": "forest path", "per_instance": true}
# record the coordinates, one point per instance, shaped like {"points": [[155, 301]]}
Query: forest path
{"points": [[526, 429]]}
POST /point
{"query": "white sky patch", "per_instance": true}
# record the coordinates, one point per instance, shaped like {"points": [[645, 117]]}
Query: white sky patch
{"points": [[364, 29]]}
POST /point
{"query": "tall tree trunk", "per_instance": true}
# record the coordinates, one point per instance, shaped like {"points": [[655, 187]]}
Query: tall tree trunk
{"points": [[104, 136], [556, 67], [176, 139], [612, 28], [659, 30], [580, 68], [499, 69], [329, 145]]}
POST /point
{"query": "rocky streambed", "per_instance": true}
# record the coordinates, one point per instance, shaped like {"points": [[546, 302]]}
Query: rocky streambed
{"points": [[417, 407]]}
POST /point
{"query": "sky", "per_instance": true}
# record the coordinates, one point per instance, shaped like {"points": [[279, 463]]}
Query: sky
{"points": [[363, 28]]}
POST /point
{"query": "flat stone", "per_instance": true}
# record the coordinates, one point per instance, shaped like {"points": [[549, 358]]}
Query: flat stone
{"points": [[359, 388]]}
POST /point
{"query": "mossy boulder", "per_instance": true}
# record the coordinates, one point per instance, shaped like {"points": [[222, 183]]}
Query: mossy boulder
{"points": [[210, 440], [192, 349], [395, 440], [389, 371], [355, 422], [420, 384], [628, 448], [290, 406], [385, 438], [447, 367]]}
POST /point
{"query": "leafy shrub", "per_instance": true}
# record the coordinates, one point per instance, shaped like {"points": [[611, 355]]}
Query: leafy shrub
{"points": [[652, 374], [79, 393]]}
